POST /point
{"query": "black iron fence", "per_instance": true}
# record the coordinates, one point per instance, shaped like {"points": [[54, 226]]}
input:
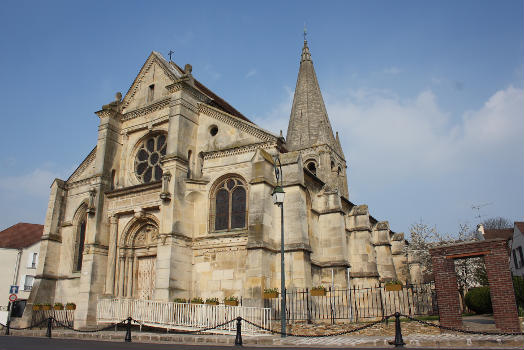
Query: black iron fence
{"points": [[356, 303]]}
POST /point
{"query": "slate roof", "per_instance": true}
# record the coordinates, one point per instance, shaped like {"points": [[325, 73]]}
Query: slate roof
{"points": [[217, 102], [21, 235]]}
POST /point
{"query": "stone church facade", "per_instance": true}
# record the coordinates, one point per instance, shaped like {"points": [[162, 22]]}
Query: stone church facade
{"points": [[175, 202]]}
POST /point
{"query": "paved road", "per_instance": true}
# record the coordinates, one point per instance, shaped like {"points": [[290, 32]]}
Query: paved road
{"points": [[22, 343]]}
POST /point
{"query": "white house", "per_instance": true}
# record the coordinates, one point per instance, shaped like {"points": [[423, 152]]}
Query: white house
{"points": [[19, 248], [517, 246]]}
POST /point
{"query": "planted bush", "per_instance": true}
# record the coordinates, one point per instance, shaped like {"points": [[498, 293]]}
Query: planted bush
{"points": [[478, 300]]}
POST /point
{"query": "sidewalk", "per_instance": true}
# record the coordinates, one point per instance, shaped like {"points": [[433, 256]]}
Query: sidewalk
{"points": [[415, 340]]}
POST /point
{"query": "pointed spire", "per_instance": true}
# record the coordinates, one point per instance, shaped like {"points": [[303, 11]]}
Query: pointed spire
{"points": [[309, 123]]}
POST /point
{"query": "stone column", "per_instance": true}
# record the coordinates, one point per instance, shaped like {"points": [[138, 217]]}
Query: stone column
{"points": [[399, 256], [94, 266], [364, 271], [263, 230], [111, 257], [385, 265], [129, 277], [49, 258]]}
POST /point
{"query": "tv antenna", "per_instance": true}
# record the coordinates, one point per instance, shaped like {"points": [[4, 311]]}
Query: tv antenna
{"points": [[477, 208]]}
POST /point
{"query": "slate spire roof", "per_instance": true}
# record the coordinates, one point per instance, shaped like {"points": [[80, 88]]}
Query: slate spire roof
{"points": [[309, 123]]}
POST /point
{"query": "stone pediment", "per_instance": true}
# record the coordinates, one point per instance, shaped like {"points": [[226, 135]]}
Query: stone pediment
{"points": [[156, 70], [82, 170]]}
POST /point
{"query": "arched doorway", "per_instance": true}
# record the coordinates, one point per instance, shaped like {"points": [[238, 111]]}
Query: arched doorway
{"points": [[137, 260]]}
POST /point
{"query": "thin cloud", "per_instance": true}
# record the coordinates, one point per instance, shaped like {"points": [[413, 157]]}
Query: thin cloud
{"points": [[392, 70], [251, 73]]}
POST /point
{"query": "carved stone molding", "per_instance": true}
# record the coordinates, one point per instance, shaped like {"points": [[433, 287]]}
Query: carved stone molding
{"points": [[238, 150], [95, 248], [158, 105], [236, 123], [330, 263]]}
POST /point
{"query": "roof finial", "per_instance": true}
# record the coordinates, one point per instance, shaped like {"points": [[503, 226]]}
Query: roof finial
{"points": [[305, 33]]}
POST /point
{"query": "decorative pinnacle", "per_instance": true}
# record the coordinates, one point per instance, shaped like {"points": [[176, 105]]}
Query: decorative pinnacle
{"points": [[305, 33]]}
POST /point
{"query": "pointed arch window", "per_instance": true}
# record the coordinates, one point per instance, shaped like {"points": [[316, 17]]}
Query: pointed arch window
{"points": [[79, 253], [229, 205]]}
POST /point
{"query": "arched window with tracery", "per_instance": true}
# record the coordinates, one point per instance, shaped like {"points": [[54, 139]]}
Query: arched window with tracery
{"points": [[80, 221], [228, 204]]}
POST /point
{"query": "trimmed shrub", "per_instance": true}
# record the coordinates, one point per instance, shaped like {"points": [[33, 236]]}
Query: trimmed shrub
{"points": [[478, 300]]}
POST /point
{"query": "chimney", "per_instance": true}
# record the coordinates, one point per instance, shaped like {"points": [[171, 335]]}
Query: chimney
{"points": [[480, 228]]}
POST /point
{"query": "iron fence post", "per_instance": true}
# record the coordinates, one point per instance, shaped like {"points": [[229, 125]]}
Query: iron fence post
{"points": [[238, 338], [399, 342], [128, 331], [49, 327]]}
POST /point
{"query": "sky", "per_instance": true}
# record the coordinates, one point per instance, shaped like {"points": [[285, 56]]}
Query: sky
{"points": [[427, 96]]}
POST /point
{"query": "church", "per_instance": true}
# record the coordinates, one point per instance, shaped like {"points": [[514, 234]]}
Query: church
{"points": [[174, 201]]}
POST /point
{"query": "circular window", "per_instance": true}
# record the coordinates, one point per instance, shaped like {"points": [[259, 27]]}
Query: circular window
{"points": [[213, 130], [147, 160]]}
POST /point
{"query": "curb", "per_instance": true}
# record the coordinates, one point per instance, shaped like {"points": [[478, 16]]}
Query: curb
{"points": [[262, 341]]}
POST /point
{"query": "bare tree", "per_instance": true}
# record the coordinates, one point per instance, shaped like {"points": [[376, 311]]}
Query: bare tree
{"points": [[497, 223]]}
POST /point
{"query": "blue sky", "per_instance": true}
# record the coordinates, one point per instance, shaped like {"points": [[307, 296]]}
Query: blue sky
{"points": [[427, 96]]}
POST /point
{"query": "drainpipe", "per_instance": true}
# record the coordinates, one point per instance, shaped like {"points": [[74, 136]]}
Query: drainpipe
{"points": [[17, 267]]}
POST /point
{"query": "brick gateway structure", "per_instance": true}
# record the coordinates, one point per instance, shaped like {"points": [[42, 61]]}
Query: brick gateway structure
{"points": [[496, 259]]}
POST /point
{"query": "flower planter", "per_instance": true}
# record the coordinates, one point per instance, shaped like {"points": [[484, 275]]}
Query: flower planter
{"points": [[197, 302], [37, 308], [231, 302], [46, 307], [318, 292], [70, 307], [58, 307], [211, 303], [270, 295], [393, 287]]}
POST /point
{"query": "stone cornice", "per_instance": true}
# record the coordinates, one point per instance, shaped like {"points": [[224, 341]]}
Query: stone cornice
{"points": [[47, 276], [211, 236], [96, 248], [330, 263], [237, 123], [292, 247], [359, 228], [185, 84], [52, 237], [238, 150], [358, 274], [85, 163], [87, 181], [155, 106], [134, 189]]}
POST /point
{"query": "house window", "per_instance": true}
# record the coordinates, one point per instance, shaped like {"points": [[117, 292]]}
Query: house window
{"points": [[228, 205], [147, 160], [34, 259], [80, 246], [28, 282], [515, 261], [519, 249], [151, 93]]}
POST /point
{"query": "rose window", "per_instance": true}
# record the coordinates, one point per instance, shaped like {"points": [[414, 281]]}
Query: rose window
{"points": [[147, 161]]}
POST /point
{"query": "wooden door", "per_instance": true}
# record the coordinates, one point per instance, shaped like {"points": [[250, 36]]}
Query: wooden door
{"points": [[145, 279]]}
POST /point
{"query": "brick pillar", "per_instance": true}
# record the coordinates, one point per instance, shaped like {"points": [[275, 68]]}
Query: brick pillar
{"points": [[447, 292], [501, 288]]}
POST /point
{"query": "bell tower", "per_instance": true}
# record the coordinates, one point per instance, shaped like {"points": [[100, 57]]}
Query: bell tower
{"points": [[309, 130]]}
